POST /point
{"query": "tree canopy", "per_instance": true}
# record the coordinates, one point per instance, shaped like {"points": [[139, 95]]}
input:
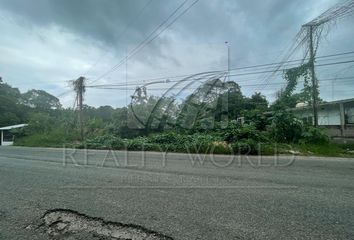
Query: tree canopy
{"points": [[40, 99]]}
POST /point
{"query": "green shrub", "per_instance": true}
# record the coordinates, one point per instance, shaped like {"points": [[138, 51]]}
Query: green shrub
{"points": [[249, 146], [196, 143], [221, 147], [268, 149], [137, 144], [200, 143], [168, 138], [286, 128], [257, 118], [315, 136], [53, 139], [236, 132], [105, 142], [116, 143]]}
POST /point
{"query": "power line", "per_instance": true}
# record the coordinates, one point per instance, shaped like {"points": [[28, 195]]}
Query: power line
{"points": [[238, 68], [64, 93], [327, 64], [317, 25], [337, 11], [143, 42], [162, 78], [130, 23], [111, 86], [242, 68], [149, 39], [318, 65], [242, 85]]}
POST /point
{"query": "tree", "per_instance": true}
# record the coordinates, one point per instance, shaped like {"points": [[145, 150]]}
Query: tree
{"points": [[230, 103], [258, 101], [11, 111], [41, 123], [40, 99], [286, 127]]}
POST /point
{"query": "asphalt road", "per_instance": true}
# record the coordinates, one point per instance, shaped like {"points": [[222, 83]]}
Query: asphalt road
{"points": [[178, 196]]}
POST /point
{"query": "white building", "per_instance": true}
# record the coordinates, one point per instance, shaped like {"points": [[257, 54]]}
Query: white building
{"points": [[336, 116], [6, 138]]}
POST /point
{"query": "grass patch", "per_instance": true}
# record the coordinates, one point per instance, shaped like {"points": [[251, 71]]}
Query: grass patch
{"points": [[326, 149], [196, 143], [44, 140]]}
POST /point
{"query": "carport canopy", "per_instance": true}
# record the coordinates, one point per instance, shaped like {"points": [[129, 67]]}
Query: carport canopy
{"points": [[13, 126], [2, 129]]}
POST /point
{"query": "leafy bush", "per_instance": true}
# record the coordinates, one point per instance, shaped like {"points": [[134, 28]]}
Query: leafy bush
{"points": [[249, 146], [200, 143], [105, 142], [168, 138], [53, 139], [40, 123], [314, 135], [220, 147], [286, 128], [237, 132], [257, 118], [196, 143], [136, 144], [116, 143]]}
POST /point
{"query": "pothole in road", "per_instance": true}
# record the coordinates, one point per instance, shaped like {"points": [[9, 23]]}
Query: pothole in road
{"points": [[71, 225]]}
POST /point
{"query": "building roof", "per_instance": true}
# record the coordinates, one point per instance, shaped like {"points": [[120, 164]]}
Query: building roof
{"points": [[13, 126], [349, 100], [338, 101]]}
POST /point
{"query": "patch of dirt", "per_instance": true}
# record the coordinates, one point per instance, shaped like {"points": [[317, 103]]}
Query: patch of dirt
{"points": [[71, 225]]}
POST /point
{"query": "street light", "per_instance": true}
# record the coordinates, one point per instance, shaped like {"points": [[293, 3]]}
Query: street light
{"points": [[228, 60]]}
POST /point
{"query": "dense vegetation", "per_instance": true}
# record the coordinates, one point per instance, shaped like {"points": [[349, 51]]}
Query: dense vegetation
{"points": [[50, 125]]}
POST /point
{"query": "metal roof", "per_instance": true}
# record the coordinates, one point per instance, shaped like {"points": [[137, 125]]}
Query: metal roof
{"points": [[13, 126]]}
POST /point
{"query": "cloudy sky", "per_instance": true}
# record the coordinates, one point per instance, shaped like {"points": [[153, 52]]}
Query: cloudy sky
{"points": [[45, 43]]}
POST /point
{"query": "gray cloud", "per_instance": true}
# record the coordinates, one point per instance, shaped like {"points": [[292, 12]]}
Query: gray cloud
{"points": [[102, 20], [80, 32], [245, 24]]}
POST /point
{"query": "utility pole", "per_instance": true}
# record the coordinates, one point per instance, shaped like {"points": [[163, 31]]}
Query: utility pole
{"points": [[79, 88], [126, 78], [313, 79], [316, 27], [228, 60]]}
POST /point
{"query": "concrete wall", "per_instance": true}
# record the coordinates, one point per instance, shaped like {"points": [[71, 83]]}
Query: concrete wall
{"points": [[335, 131], [332, 117], [350, 114], [326, 115], [329, 116]]}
